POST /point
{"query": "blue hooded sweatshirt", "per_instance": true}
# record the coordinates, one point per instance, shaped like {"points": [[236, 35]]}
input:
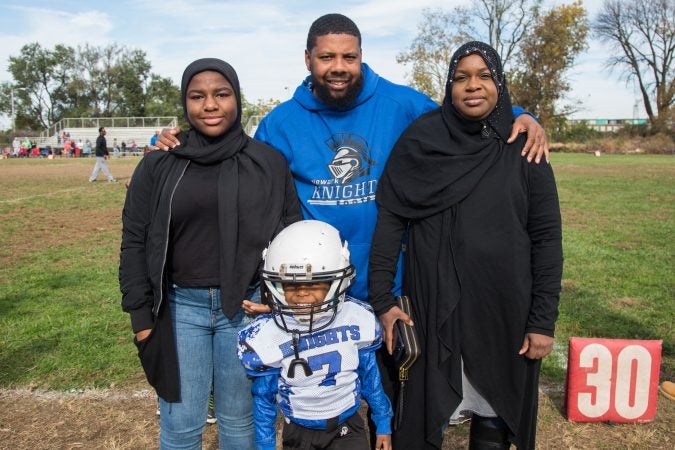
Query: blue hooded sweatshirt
{"points": [[337, 156]]}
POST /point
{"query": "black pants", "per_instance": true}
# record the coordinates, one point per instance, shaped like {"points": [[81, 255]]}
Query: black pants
{"points": [[350, 435]]}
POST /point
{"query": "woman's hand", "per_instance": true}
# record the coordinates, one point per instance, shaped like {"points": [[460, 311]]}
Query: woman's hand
{"points": [[253, 309], [388, 320], [383, 442], [536, 144], [536, 346], [143, 334], [167, 139]]}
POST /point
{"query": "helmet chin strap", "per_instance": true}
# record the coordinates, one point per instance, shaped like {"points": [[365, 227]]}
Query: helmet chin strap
{"points": [[297, 360]]}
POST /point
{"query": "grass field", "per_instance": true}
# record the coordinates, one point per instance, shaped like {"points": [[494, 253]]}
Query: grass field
{"points": [[61, 326]]}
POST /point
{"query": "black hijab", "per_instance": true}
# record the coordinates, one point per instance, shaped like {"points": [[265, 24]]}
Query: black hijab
{"points": [[441, 157], [197, 146], [239, 231]]}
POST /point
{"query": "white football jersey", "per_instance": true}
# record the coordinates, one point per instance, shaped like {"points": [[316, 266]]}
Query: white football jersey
{"points": [[332, 354]]}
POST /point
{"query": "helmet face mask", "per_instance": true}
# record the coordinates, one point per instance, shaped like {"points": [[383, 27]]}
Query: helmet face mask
{"points": [[306, 252]]}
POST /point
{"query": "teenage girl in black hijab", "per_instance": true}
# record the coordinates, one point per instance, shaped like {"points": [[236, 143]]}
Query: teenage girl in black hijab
{"points": [[483, 261], [195, 223]]}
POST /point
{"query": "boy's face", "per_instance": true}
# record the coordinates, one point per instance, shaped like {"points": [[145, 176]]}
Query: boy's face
{"points": [[301, 294]]}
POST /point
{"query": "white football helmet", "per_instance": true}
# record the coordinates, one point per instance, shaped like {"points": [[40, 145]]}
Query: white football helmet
{"points": [[309, 251]]}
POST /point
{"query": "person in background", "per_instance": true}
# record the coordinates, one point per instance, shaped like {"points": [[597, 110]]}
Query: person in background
{"points": [[101, 156], [195, 222], [153, 139], [483, 262], [86, 150]]}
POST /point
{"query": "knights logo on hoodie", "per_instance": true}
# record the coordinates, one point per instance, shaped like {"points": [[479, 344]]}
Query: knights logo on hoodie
{"points": [[350, 168]]}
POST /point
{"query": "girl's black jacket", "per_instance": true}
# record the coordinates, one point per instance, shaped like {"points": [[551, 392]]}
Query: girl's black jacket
{"points": [[146, 222]]}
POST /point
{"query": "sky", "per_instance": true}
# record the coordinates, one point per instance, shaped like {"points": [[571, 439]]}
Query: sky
{"points": [[264, 40]]}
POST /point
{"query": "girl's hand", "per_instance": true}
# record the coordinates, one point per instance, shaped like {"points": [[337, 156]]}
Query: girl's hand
{"points": [[143, 334]]}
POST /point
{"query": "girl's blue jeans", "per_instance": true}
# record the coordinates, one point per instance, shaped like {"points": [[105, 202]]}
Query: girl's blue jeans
{"points": [[206, 342]]}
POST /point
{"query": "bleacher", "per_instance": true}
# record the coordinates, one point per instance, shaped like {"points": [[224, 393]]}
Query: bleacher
{"points": [[124, 129]]}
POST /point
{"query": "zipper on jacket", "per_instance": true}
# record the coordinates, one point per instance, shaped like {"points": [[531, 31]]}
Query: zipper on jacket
{"points": [[166, 242]]}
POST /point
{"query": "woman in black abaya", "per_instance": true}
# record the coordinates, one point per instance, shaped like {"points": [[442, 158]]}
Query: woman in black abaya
{"points": [[483, 261]]}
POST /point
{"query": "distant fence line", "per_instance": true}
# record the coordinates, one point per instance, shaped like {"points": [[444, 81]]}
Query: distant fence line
{"points": [[109, 122], [138, 129]]}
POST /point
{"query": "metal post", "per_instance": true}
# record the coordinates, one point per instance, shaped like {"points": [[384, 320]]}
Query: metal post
{"points": [[13, 113]]}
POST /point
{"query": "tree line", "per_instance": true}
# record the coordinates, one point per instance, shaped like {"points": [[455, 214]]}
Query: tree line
{"points": [[50, 84], [538, 49]]}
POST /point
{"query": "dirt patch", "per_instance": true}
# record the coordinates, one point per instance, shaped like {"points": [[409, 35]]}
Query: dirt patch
{"points": [[624, 302], [89, 420], [57, 228], [35, 420]]}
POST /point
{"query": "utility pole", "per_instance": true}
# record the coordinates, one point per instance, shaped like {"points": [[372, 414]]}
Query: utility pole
{"points": [[13, 113]]}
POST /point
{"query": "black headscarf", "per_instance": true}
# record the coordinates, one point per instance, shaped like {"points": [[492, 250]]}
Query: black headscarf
{"points": [[438, 161], [197, 146], [238, 235]]}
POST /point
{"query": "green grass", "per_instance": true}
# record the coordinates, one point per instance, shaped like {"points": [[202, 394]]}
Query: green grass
{"points": [[618, 231], [61, 325]]}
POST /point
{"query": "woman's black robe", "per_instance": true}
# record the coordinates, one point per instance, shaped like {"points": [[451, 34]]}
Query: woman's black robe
{"points": [[483, 266]]}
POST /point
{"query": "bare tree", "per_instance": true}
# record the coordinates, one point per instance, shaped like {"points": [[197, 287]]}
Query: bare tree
{"points": [[644, 31], [501, 23], [506, 22]]}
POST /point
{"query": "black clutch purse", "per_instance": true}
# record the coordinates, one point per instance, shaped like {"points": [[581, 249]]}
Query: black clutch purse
{"points": [[406, 352]]}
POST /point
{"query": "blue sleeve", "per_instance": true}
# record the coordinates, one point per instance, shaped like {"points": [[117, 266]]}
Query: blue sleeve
{"points": [[518, 110], [373, 393], [261, 132], [264, 390]]}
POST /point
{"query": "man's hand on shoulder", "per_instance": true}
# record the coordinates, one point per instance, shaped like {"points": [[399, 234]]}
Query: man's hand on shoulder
{"points": [[536, 144], [167, 139]]}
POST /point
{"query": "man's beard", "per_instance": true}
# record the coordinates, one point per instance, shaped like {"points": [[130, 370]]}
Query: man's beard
{"points": [[323, 93]]}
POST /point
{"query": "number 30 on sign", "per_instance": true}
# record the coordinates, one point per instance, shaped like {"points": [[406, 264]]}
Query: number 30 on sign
{"points": [[612, 380]]}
